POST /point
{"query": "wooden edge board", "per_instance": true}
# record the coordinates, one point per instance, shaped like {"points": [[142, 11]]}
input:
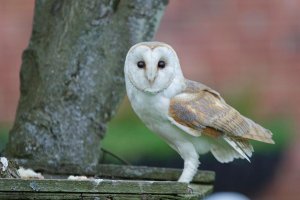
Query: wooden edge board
{"points": [[131, 172], [150, 173], [85, 196], [196, 195], [93, 186]]}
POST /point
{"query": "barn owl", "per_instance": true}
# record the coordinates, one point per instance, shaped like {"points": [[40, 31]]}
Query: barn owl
{"points": [[191, 117]]}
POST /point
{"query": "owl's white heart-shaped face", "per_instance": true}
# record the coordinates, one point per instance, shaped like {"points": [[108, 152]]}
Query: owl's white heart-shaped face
{"points": [[151, 66]]}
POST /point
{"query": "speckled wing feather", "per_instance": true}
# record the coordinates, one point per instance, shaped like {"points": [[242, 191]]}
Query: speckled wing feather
{"points": [[201, 110]]}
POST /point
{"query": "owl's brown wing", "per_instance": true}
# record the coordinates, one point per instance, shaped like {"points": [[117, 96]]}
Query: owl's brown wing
{"points": [[201, 110]]}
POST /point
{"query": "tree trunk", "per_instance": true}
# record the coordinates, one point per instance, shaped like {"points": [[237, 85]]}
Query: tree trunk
{"points": [[72, 78]]}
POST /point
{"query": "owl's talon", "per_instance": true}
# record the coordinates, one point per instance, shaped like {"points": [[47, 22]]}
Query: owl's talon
{"points": [[190, 190]]}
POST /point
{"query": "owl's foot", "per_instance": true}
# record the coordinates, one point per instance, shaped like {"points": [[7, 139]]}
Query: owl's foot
{"points": [[190, 190]]}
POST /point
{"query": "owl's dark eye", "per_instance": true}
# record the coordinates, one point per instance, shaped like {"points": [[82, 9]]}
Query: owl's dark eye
{"points": [[161, 64], [141, 64]]}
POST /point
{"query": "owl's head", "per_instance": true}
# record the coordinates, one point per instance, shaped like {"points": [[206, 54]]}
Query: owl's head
{"points": [[152, 66]]}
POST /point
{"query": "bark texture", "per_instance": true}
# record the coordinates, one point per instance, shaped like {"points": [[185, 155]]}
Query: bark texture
{"points": [[72, 77]]}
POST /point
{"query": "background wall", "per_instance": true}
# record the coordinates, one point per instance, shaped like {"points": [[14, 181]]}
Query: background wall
{"points": [[247, 50]]}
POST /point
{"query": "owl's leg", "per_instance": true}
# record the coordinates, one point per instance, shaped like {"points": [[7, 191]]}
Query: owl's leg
{"points": [[191, 162]]}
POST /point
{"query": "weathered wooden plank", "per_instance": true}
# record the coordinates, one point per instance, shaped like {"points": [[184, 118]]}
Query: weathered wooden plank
{"points": [[74, 196], [93, 186], [138, 172], [150, 173], [196, 195], [84, 196]]}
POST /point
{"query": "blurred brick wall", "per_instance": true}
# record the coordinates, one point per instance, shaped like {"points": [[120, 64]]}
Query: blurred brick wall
{"points": [[15, 28], [225, 44]]}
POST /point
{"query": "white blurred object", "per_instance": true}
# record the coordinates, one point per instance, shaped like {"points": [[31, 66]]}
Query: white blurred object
{"points": [[80, 178], [227, 196], [4, 163], [29, 174]]}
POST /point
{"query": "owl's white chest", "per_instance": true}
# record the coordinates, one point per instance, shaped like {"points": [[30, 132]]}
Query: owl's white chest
{"points": [[151, 109]]}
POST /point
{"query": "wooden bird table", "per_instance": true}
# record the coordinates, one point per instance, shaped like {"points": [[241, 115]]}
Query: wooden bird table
{"points": [[111, 182]]}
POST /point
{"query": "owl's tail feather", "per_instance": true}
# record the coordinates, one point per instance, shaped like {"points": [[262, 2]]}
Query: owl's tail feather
{"points": [[242, 146], [225, 153], [258, 133]]}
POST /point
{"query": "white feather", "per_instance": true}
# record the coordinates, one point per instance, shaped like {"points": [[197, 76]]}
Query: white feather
{"points": [[236, 147]]}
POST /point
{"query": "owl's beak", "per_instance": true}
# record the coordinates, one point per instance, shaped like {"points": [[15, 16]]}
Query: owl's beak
{"points": [[151, 76]]}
